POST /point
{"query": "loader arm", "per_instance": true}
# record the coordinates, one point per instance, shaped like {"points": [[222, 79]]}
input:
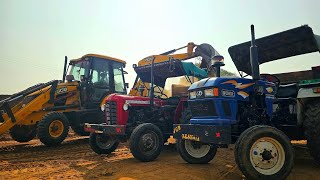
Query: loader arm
{"points": [[20, 115], [205, 51], [139, 85], [37, 101]]}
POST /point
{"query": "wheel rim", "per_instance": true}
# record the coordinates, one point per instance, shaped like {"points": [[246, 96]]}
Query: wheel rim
{"points": [[267, 156], [149, 142], [195, 149], [104, 142], [56, 128]]}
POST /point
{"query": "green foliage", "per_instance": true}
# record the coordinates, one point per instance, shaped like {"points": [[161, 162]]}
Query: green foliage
{"points": [[223, 73], [227, 73]]}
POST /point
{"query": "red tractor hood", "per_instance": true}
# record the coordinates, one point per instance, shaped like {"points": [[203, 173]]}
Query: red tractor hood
{"points": [[117, 102], [134, 100]]}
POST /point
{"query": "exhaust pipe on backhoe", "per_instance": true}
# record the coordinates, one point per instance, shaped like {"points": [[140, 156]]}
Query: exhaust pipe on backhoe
{"points": [[65, 68], [254, 57], [152, 84]]}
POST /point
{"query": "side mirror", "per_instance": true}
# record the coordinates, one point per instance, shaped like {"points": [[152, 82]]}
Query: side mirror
{"points": [[126, 85]]}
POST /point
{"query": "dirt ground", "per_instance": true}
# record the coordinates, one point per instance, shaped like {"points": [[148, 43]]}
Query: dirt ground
{"points": [[75, 160]]}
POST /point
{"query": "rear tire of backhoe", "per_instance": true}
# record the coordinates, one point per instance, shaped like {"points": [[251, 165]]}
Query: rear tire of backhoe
{"points": [[78, 125], [23, 133], [79, 130], [311, 126], [53, 128], [146, 142]]}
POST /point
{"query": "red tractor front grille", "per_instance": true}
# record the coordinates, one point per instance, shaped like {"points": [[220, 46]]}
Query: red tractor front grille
{"points": [[111, 112]]}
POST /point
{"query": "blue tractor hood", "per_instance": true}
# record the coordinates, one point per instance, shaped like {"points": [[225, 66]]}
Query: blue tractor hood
{"points": [[221, 108], [234, 87], [217, 81]]}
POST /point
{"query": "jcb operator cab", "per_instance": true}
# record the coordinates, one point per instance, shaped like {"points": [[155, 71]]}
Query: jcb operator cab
{"points": [[98, 76]]}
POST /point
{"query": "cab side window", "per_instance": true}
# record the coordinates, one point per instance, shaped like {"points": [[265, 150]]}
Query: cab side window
{"points": [[118, 77]]}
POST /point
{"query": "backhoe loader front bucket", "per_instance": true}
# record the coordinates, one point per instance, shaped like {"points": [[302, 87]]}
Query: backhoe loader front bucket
{"points": [[8, 118]]}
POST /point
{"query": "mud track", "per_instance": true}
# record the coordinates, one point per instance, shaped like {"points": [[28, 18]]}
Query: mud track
{"points": [[75, 160]]}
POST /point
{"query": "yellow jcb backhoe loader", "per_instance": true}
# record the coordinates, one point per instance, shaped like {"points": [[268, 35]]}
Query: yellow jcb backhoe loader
{"points": [[47, 110]]}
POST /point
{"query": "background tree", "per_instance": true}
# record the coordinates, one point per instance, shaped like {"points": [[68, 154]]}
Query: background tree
{"points": [[222, 72]]}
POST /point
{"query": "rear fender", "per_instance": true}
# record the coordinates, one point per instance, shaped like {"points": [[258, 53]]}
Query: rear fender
{"points": [[304, 95], [307, 93]]}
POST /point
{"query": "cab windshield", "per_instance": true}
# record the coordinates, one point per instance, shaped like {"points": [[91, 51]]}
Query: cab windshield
{"points": [[78, 68]]}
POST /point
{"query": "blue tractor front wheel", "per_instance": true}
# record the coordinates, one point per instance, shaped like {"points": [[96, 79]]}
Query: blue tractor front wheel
{"points": [[264, 153]]}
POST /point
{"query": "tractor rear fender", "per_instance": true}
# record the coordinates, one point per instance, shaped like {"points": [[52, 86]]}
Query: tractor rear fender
{"points": [[307, 93], [304, 95]]}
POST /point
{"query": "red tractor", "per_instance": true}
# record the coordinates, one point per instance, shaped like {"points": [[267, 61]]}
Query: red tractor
{"points": [[146, 116]]}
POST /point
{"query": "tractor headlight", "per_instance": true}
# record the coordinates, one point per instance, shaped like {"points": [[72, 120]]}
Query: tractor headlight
{"points": [[192, 95], [214, 92], [125, 106], [103, 107]]}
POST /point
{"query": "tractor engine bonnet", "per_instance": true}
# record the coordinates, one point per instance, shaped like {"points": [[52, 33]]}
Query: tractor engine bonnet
{"points": [[233, 86], [217, 81]]}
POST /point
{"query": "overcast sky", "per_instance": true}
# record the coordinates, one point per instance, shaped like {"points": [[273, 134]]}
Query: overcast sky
{"points": [[36, 35]]}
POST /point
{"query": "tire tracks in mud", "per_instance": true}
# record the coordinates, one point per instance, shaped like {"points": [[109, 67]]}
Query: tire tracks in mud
{"points": [[73, 155], [27, 152], [74, 159]]}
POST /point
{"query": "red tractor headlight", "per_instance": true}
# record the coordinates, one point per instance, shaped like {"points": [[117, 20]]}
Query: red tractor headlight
{"points": [[125, 106]]}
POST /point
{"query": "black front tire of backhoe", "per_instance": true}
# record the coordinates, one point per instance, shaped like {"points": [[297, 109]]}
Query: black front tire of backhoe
{"points": [[78, 126], [43, 128], [311, 126], [79, 130], [23, 133]]}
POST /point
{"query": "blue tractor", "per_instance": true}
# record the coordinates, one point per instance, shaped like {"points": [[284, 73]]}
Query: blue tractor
{"points": [[260, 114]]}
